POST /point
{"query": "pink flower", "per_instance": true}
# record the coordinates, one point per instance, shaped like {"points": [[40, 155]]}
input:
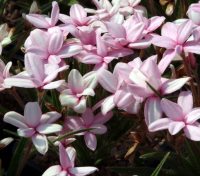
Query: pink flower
{"points": [[51, 46], [37, 75], [129, 34], [34, 124], [88, 120], [147, 80], [78, 88], [176, 38], [66, 167], [42, 21], [150, 24], [180, 116], [4, 74], [102, 55], [121, 95], [105, 9], [130, 7], [194, 12], [78, 16]]}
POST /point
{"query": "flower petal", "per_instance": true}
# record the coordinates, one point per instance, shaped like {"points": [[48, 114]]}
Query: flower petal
{"points": [[64, 157], [192, 132], [50, 117], [27, 132], [75, 81], [49, 128], [107, 105], [15, 119], [99, 129], [54, 13], [172, 110], [38, 21], [52, 171], [32, 114], [90, 140], [160, 124], [193, 115], [82, 171], [40, 142], [107, 80], [173, 85], [185, 100], [152, 110], [175, 127]]}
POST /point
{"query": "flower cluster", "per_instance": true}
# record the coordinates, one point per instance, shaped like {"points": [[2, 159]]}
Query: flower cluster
{"points": [[114, 32]]}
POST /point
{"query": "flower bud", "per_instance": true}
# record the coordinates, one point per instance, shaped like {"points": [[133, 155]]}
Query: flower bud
{"points": [[194, 13]]}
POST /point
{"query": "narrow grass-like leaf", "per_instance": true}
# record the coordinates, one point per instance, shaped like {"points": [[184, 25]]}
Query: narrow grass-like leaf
{"points": [[160, 165], [17, 157]]}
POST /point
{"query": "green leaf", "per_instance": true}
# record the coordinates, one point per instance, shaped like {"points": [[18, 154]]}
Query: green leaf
{"points": [[17, 157], [160, 165]]}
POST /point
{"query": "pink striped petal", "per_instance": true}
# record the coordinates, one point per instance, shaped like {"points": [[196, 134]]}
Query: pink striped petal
{"points": [[78, 13], [54, 13], [184, 31], [107, 80], [172, 110], [193, 115], [107, 105], [173, 85], [38, 21], [64, 157], [152, 110], [185, 100], [160, 124]]}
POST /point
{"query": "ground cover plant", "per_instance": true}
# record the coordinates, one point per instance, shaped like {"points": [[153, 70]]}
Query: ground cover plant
{"points": [[100, 88]]}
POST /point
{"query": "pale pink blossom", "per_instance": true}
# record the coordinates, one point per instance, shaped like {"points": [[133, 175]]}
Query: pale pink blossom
{"points": [[150, 24], [36, 75], [102, 55], [78, 16], [130, 7], [43, 21], [150, 85], [121, 96], [51, 46], [67, 167], [87, 121], [78, 88], [34, 124], [129, 34], [176, 38], [179, 116], [105, 9]]}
